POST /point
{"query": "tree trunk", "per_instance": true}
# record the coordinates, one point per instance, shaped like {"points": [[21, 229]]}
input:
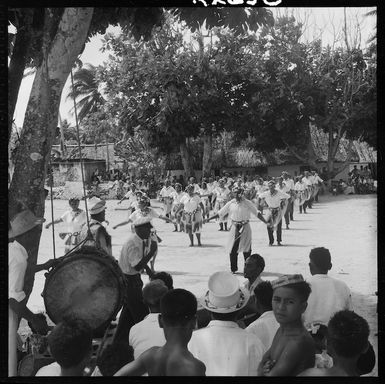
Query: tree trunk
{"points": [[332, 172], [207, 160], [18, 62], [186, 159], [40, 122]]}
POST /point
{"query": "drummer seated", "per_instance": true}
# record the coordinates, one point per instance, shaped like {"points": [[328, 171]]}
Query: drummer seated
{"points": [[70, 344]]}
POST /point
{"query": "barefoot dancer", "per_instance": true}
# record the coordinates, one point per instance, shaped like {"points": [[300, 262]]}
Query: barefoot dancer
{"points": [[176, 211], [192, 214], [222, 195], [239, 210]]}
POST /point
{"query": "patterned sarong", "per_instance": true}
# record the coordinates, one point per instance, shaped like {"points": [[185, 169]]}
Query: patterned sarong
{"points": [[192, 221]]}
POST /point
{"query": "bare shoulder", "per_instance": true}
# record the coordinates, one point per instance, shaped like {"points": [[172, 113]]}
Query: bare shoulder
{"points": [[185, 365]]}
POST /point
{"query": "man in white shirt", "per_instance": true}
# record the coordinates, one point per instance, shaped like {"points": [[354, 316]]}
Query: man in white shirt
{"points": [[308, 181], [24, 227], [328, 295], [224, 347], [239, 210], [282, 187], [275, 201], [136, 252], [289, 182], [266, 326], [147, 333], [318, 182], [222, 196]]}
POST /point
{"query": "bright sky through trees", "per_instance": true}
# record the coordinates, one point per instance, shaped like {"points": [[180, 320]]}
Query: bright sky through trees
{"points": [[320, 22]]}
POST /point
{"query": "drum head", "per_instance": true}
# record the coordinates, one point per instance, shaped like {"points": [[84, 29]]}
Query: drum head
{"points": [[88, 285]]}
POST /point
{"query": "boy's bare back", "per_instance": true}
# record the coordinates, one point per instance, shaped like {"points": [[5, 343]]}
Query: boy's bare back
{"points": [[166, 361], [289, 354]]}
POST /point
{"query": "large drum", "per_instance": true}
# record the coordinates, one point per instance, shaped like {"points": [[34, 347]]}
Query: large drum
{"points": [[87, 284]]}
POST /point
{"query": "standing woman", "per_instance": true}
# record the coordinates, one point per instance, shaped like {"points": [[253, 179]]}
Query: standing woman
{"points": [[222, 194], [176, 211], [74, 218], [192, 214], [204, 193]]}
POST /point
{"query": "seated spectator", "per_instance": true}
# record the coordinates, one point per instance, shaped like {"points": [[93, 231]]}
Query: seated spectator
{"points": [[319, 333], [165, 277], [347, 340], [177, 318], [266, 326], [70, 344], [113, 357], [254, 266], [292, 350], [147, 333], [224, 347], [328, 295]]}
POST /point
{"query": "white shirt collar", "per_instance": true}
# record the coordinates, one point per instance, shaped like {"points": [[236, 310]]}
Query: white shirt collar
{"points": [[221, 323]]}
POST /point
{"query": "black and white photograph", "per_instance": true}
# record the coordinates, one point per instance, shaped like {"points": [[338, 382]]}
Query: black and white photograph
{"points": [[192, 190]]}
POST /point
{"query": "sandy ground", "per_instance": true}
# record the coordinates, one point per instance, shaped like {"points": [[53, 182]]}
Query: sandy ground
{"points": [[347, 225]]}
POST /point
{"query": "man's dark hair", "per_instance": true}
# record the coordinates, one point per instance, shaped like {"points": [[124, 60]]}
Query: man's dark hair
{"points": [[302, 288], [114, 356], [264, 294], [178, 307], [165, 277], [70, 341], [348, 333], [259, 260], [320, 257]]}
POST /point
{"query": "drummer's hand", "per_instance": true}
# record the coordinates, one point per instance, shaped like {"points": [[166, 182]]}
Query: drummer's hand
{"points": [[47, 226], [39, 324], [62, 235]]}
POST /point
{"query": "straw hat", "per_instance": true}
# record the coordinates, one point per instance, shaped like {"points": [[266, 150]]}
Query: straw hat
{"points": [[225, 294], [96, 205], [23, 222], [286, 280]]}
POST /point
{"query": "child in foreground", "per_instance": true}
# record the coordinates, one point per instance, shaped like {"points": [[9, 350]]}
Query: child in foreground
{"points": [[347, 340], [292, 350], [178, 318]]}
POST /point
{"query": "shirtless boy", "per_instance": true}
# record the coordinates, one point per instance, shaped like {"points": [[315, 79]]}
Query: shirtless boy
{"points": [[292, 350], [178, 318], [347, 340]]}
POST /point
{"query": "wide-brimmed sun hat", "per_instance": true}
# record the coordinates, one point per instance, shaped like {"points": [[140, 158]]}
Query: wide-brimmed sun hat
{"points": [[23, 222], [96, 205], [225, 295]]}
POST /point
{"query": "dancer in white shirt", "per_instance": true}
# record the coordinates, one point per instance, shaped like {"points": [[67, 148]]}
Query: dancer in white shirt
{"points": [[192, 214], [275, 200], [239, 210], [166, 198]]}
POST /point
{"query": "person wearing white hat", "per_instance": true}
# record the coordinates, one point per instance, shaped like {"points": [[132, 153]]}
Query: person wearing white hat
{"points": [[137, 251], [97, 210], [224, 347], [74, 218], [24, 227]]}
